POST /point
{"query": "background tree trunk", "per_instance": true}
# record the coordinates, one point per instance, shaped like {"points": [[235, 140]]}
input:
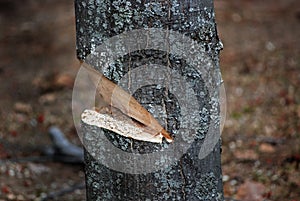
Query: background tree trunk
{"points": [[189, 177]]}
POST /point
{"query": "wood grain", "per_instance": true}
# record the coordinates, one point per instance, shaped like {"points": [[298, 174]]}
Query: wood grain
{"points": [[116, 97]]}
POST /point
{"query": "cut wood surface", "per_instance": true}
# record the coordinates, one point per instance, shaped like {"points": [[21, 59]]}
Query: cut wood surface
{"points": [[121, 124]]}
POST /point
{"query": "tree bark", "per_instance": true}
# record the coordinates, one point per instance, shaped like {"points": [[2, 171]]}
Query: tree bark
{"points": [[190, 176]]}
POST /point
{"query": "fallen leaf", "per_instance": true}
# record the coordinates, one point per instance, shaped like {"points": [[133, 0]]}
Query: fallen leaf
{"points": [[266, 148], [5, 189], [246, 155], [13, 133], [41, 118], [27, 183], [22, 107], [64, 80], [3, 153], [53, 81], [44, 82], [47, 98], [20, 198], [11, 196], [251, 191]]}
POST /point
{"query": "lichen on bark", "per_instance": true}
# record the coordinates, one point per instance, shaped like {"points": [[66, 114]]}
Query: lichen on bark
{"points": [[189, 178]]}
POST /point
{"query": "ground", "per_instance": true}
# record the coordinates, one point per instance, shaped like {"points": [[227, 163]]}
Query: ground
{"points": [[261, 72]]}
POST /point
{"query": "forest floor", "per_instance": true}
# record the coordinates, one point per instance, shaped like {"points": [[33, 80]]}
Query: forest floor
{"points": [[260, 66]]}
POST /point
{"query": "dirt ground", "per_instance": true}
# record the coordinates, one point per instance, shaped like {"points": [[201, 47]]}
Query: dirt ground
{"points": [[260, 67]]}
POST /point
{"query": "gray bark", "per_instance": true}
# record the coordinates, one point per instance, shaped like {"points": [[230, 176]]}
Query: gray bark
{"points": [[189, 177]]}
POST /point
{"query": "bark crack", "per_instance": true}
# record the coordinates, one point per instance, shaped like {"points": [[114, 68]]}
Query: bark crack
{"points": [[183, 179], [168, 63]]}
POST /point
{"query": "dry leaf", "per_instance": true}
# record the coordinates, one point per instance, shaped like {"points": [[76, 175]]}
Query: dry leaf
{"points": [[47, 98], [246, 155], [22, 107], [64, 80], [266, 148], [251, 191]]}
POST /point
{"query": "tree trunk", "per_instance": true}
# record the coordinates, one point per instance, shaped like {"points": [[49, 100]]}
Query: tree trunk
{"points": [[174, 59]]}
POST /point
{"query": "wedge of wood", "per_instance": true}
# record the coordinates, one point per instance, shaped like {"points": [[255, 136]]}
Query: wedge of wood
{"points": [[118, 98], [120, 124]]}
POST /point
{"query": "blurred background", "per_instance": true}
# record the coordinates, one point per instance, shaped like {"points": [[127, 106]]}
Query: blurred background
{"points": [[260, 67]]}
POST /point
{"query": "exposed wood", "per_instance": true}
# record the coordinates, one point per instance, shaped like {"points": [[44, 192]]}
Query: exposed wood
{"points": [[120, 99], [119, 123]]}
